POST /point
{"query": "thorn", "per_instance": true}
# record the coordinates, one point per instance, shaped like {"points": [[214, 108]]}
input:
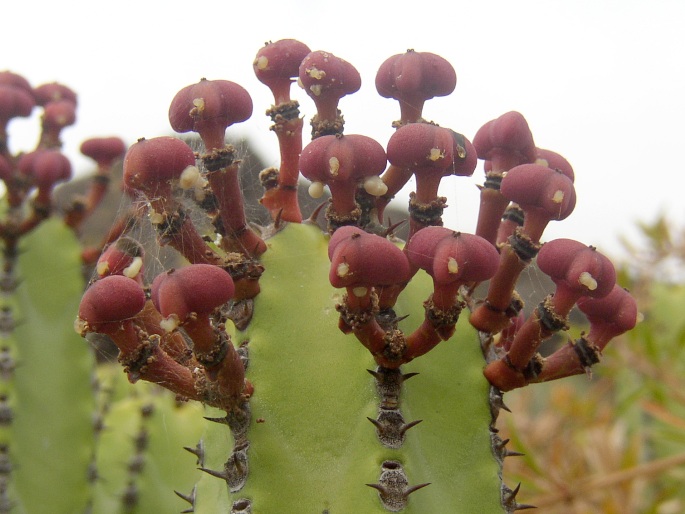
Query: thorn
{"points": [[401, 318], [198, 451], [376, 424], [377, 487], [407, 376], [509, 499], [391, 229], [190, 498], [407, 426], [375, 374], [412, 489], [315, 214], [221, 421], [278, 220], [218, 474]]}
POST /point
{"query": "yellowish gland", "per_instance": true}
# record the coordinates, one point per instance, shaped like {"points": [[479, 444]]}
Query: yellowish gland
{"points": [[169, 324], [375, 186], [261, 62], [558, 196], [342, 270], [316, 189], [587, 280], [452, 265], [316, 89], [102, 268], [156, 218], [132, 270], [81, 326], [436, 154], [360, 292], [199, 104], [189, 177], [333, 166]]}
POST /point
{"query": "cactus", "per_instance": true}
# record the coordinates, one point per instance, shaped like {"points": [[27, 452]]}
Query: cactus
{"points": [[244, 386]]}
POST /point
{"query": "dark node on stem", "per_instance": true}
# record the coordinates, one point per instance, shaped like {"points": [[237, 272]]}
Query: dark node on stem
{"points": [[283, 113], [336, 220], [327, 127], [588, 353], [524, 247], [549, 319], [268, 178], [7, 363], [533, 368], [427, 214], [493, 181], [219, 158], [393, 487], [513, 213], [170, 226]]}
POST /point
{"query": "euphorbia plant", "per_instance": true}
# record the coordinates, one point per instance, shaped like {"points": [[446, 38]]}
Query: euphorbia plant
{"points": [[297, 342]]}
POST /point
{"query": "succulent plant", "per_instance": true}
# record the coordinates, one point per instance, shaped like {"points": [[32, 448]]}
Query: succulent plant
{"points": [[251, 340]]}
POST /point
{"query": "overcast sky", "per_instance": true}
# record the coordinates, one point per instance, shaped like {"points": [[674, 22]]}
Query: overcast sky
{"points": [[601, 82]]}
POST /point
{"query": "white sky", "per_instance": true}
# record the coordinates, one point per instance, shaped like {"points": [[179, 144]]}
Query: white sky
{"points": [[601, 82]]}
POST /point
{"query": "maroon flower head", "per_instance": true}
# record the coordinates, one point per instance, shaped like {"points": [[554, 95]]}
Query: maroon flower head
{"points": [[542, 193], [505, 142], [361, 261], [610, 316], [8, 78], [54, 92], [197, 288], [58, 114], [110, 301], [326, 79], [15, 102], [342, 163], [452, 259], [45, 168], [151, 164], [277, 64], [432, 152], [555, 161], [577, 270], [104, 150], [209, 108], [412, 78]]}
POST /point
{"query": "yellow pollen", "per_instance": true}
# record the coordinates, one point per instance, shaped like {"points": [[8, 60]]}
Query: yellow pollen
{"points": [[102, 268], [452, 265], [316, 89], [316, 189], [199, 104], [558, 196]]}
